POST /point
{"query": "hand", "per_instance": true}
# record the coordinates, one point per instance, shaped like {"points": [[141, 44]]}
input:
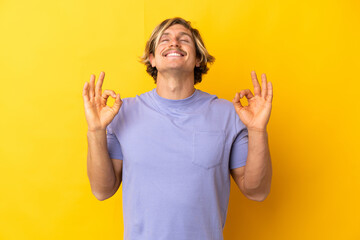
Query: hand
{"points": [[256, 115], [98, 114]]}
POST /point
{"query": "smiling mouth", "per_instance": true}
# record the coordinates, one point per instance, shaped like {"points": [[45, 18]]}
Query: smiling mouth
{"points": [[173, 55]]}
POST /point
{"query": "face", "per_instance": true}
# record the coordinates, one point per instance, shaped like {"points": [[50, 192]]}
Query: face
{"points": [[175, 51]]}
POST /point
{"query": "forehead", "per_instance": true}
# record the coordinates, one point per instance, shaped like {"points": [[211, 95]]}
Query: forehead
{"points": [[177, 29]]}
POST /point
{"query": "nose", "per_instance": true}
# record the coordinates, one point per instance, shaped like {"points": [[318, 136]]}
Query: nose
{"points": [[174, 42]]}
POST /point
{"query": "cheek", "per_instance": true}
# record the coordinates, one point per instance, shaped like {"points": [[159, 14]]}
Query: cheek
{"points": [[161, 46], [192, 50], [158, 51]]}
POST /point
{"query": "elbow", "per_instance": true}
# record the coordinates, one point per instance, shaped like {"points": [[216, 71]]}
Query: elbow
{"points": [[102, 194], [100, 197], [258, 193], [258, 196]]}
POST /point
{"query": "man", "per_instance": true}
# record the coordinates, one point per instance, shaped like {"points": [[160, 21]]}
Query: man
{"points": [[174, 148]]}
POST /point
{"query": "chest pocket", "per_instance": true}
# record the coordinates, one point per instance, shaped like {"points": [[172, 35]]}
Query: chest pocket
{"points": [[208, 148]]}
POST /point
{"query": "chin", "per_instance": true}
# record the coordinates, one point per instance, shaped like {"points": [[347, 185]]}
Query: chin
{"points": [[177, 68]]}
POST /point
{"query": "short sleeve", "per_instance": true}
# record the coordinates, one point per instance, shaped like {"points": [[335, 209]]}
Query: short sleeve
{"points": [[239, 148], [113, 143]]}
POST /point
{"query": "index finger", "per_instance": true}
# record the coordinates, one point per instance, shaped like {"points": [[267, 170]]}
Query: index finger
{"points": [[257, 88], [99, 84]]}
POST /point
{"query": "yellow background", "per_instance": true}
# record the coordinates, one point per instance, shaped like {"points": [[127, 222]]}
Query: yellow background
{"points": [[308, 49]]}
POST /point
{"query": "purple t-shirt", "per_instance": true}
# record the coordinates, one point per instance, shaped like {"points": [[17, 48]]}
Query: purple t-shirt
{"points": [[176, 159]]}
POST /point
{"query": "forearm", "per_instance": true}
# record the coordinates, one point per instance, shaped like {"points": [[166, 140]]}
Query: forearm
{"points": [[100, 168], [258, 170]]}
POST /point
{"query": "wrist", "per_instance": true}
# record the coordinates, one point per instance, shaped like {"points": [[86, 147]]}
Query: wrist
{"points": [[96, 129], [257, 130], [96, 132], [257, 133]]}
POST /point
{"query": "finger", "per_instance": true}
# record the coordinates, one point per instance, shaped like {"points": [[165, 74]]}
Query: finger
{"points": [[257, 88], [117, 103], [236, 102], [92, 84], [85, 92], [269, 96], [247, 93], [105, 95], [263, 85], [99, 84]]}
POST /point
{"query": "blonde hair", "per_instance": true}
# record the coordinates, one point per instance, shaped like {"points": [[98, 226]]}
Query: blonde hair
{"points": [[201, 51]]}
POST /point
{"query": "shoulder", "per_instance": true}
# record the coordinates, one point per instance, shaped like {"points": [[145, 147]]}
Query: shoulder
{"points": [[130, 105], [218, 103], [130, 102], [224, 109]]}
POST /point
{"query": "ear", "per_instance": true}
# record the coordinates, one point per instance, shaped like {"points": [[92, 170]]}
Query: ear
{"points": [[197, 62], [152, 59]]}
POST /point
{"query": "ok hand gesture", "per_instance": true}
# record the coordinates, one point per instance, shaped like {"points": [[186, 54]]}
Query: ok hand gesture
{"points": [[98, 114], [256, 115]]}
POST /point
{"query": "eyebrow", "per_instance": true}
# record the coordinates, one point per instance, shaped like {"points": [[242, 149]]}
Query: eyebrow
{"points": [[181, 33]]}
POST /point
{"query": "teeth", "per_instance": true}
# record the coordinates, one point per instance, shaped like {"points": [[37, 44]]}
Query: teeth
{"points": [[173, 54]]}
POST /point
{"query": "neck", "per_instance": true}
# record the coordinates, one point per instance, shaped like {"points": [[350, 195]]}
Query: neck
{"points": [[175, 86]]}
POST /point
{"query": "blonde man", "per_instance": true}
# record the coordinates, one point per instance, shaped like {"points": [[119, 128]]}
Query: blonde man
{"points": [[175, 147]]}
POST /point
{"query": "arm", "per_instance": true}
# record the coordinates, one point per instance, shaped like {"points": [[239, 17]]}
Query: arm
{"points": [[104, 174], [254, 179]]}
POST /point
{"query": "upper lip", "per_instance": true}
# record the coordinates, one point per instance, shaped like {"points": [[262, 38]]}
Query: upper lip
{"points": [[173, 51]]}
